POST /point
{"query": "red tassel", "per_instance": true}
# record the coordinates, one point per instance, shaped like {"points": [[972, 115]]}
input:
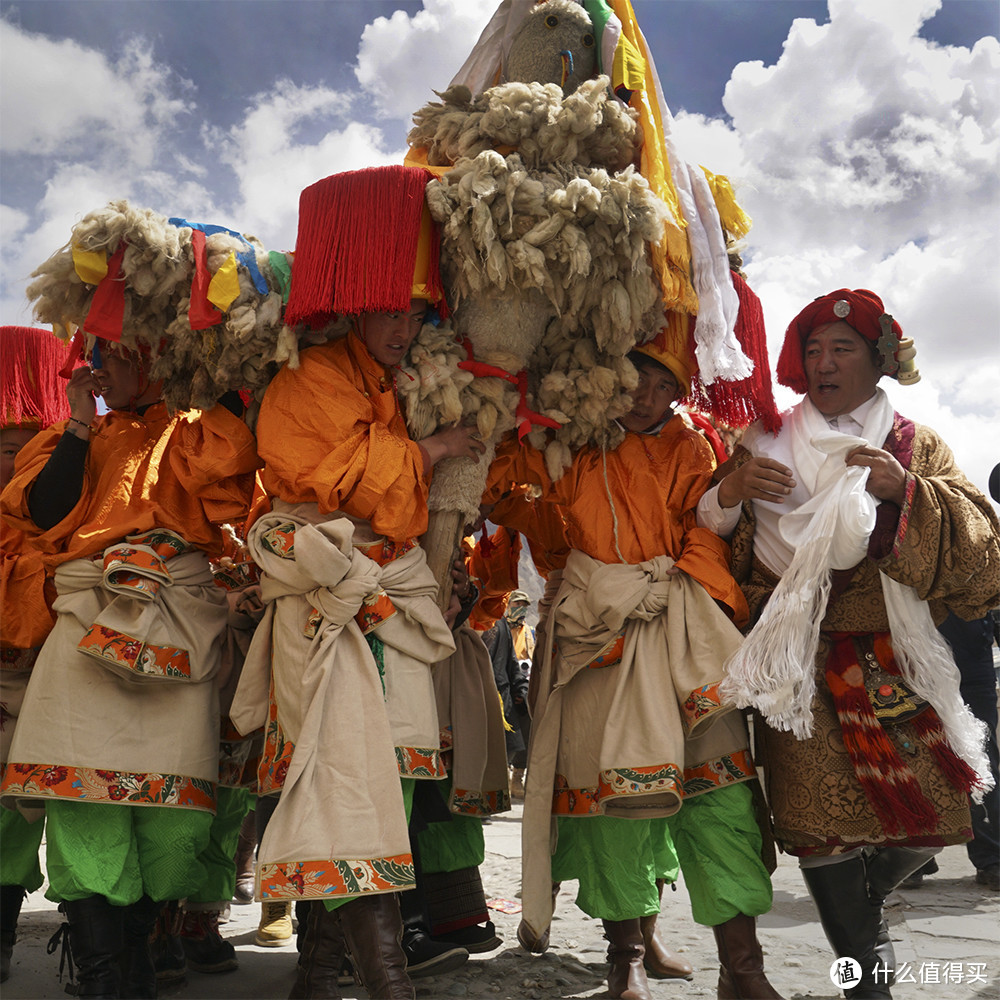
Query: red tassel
{"points": [[890, 787], [357, 244], [737, 404], [957, 771], [31, 394]]}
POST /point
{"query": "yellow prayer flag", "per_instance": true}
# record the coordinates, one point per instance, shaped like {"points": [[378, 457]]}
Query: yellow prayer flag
{"points": [[91, 265], [225, 284]]}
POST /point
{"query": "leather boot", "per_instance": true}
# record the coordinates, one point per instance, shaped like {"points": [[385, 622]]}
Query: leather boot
{"points": [[527, 940], [741, 961], [321, 954], [169, 959], [11, 898], [851, 922], [626, 977], [660, 962], [245, 847], [204, 947], [136, 960], [372, 929], [95, 933], [889, 867]]}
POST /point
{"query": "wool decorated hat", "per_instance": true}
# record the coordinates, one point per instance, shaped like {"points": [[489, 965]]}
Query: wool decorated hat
{"points": [[366, 243], [863, 311], [32, 396], [669, 348]]}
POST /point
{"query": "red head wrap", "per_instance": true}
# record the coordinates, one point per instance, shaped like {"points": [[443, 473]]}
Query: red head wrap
{"points": [[860, 309]]}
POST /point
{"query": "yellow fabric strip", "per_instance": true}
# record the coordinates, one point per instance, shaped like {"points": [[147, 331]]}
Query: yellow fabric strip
{"points": [[224, 287], [734, 220], [91, 265]]}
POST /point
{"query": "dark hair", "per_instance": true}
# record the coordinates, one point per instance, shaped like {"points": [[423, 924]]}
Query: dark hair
{"points": [[641, 361]]}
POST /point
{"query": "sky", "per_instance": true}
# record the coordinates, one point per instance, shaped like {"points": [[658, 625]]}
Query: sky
{"points": [[862, 136]]}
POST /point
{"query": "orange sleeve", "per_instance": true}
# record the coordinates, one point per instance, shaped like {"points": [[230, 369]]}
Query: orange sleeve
{"points": [[324, 440], [30, 461], [27, 618], [215, 459]]}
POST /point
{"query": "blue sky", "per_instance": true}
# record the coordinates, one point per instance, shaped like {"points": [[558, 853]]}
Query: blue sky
{"points": [[863, 137]]}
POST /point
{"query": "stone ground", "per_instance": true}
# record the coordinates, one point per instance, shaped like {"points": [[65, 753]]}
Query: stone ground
{"points": [[945, 933]]}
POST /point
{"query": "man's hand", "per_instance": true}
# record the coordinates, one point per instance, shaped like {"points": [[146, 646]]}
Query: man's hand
{"points": [[756, 479], [80, 391], [887, 479], [457, 441]]}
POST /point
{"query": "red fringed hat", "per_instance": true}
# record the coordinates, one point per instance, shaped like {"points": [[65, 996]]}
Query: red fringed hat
{"points": [[32, 395], [366, 243], [863, 311], [737, 404]]}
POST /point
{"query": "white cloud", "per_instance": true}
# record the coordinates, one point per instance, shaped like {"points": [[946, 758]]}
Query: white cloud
{"points": [[403, 58], [867, 157], [290, 137], [58, 97]]}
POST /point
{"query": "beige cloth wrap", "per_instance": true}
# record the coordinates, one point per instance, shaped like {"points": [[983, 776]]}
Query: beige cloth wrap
{"points": [[341, 798], [588, 721], [467, 702], [85, 711]]}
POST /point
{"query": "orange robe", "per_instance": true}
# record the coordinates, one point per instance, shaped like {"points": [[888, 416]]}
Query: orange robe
{"points": [[185, 473], [331, 433], [26, 617], [649, 486]]}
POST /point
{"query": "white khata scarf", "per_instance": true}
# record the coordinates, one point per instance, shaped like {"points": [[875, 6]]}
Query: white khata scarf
{"points": [[773, 670]]}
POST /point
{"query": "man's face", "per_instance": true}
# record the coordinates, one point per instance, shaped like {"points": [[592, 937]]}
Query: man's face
{"points": [[840, 370], [651, 401], [119, 380], [388, 335], [12, 440]]}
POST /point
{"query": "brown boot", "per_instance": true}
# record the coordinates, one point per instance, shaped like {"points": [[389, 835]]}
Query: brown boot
{"points": [[660, 961], [527, 940], [373, 929], [245, 846], [741, 961], [322, 954], [627, 977]]}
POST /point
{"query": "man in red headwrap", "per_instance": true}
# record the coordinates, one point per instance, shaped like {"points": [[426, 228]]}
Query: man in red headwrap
{"points": [[854, 533]]}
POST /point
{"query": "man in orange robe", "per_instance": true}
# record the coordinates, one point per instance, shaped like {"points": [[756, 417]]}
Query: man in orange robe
{"points": [[627, 726], [339, 462], [123, 509]]}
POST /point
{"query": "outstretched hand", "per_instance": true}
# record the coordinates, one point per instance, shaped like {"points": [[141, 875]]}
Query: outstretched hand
{"points": [[756, 479]]}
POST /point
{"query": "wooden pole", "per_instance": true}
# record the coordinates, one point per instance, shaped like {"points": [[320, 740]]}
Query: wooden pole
{"points": [[441, 544]]}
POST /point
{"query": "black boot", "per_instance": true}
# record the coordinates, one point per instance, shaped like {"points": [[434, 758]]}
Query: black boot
{"points": [[245, 847], [890, 866], [169, 960], [11, 897], [205, 949], [372, 929], [321, 955], [851, 921], [96, 936], [136, 960], [424, 955]]}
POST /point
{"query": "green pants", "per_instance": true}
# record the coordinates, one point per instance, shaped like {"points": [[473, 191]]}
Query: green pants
{"points": [[20, 841], [123, 852], [718, 843], [218, 858], [407, 783], [617, 862], [451, 846]]}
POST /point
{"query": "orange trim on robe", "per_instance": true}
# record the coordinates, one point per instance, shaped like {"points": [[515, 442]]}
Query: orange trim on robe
{"points": [[331, 432], [655, 480], [185, 473], [26, 617]]}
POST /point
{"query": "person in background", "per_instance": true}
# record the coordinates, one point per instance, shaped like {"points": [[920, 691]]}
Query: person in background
{"points": [[31, 398], [866, 513]]}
